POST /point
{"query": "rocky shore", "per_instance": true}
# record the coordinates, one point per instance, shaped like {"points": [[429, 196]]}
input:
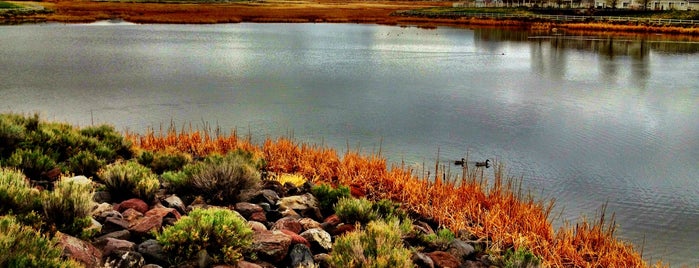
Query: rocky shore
{"points": [[289, 231]]}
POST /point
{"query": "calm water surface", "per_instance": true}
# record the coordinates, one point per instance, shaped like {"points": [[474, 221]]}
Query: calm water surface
{"points": [[586, 120]]}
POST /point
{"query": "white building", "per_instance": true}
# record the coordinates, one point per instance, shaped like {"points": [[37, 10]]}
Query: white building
{"points": [[652, 4]]}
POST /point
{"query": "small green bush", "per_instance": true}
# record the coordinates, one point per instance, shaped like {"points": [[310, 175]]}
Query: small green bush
{"points": [[439, 240], [111, 139], [162, 161], [356, 210], [221, 232], [389, 209], [85, 163], [129, 179], [68, 206], [15, 192], [11, 135], [31, 162], [380, 245], [22, 246], [520, 258], [221, 180], [328, 196]]}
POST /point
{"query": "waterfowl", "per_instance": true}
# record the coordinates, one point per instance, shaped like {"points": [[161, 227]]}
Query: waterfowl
{"points": [[460, 162], [485, 164]]}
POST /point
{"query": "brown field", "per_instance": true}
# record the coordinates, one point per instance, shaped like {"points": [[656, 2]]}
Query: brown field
{"points": [[493, 209]]}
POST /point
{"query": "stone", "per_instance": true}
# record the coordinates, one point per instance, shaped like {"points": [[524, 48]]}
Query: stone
{"points": [[102, 197], [424, 227], [124, 259], [273, 215], [100, 209], [306, 205], [145, 225], [95, 227], [245, 264], [274, 186], [473, 264], [442, 259], [308, 223], [247, 209], [332, 220], [113, 224], [79, 250], [322, 259], [108, 245], [121, 234], [150, 265], [135, 203], [343, 229], [271, 245], [258, 216], [175, 202], [204, 260], [106, 214], [460, 249], [80, 179], [265, 206], [295, 238], [290, 213], [288, 223], [257, 226], [131, 215], [300, 257], [163, 212], [421, 260], [319, 239], [153, 252]]}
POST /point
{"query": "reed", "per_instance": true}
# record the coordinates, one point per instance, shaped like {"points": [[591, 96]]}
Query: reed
{"points": [[493, 207]]}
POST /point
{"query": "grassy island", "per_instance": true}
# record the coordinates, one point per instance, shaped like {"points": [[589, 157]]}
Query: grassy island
{"points": [[202, 197]]}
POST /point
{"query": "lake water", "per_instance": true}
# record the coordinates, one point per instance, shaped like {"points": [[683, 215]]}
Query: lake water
{"points": [[586, 120]]}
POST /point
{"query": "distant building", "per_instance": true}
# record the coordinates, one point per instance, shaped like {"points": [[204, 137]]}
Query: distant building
{"points": [[652, 4]]}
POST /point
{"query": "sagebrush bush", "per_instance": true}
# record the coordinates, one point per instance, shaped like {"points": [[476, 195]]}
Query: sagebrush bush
{"points": [[15, 192], [221, 180], [519, 258], [439, 240], [162, 161], [67, 208], [31, 161], [129, 179], [111, 139], [379, 245], [22, 246], [223, 233], [11, 135], [388, 209], [359, 210], [85, 163], [328, 196]]}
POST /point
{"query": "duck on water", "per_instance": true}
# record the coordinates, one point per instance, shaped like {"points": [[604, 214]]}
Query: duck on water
{"points": [[463, 162]]}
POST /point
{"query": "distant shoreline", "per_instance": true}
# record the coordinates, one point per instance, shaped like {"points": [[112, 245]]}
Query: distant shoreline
{"points": [[322, 11]]}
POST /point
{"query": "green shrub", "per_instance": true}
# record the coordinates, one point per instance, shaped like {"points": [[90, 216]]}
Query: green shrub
{"points": [[380, 245], [221, 180], [520, 258], [68, 206], [328, 196], [389, 209], [221, 232], [439, 240], [15, 192], [22, 246], [162, 161], [31, 162], [111, 139], [356, 210], [11, 135], [129, 179], [85, 163]]}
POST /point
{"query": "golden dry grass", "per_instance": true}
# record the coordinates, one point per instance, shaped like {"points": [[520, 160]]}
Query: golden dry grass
{"points": [[493, 208]]}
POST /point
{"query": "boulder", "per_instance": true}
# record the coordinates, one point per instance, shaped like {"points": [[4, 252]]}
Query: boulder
{"points": [[95, 227], [150, 265], [460, 249], [258, 216], [257, 226], [442, 259], [153, 220], [131, 215], [300, 257], [271, 245], [79, 250], [308, 223], [175, 202], [153, 252], [246, 209], [124, 259], [288, 223], [322, 259], [421, 260], [102, 197], [109, 245], [273, 215], [101, 208], [296, 239], [319, 239], [135, 203], [306, 205], [342, 229], [122, 235], [244, 264], [106, 214], [113, 224], [332, 220]]}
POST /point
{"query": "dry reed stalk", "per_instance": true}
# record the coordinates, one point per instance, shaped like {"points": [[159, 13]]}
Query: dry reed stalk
{"points": [[491, 208]]}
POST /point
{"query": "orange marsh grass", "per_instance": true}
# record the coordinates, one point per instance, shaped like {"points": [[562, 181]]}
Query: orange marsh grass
{"points": [[491, 208]]}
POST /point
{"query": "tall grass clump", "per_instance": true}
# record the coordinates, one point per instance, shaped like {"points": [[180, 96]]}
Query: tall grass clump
{"points": [[221, 232], [328, 196], [379, 245], [220, 179], [22, 246], [130, 179], [16, 195], [67, 208]]}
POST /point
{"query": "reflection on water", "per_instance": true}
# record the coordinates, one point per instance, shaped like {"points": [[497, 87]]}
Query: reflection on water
{"points": [[584, 119]]}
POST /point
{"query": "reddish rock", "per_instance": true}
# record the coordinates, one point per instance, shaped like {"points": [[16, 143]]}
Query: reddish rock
{"points": [[113, 224], [258, 216], [146, 224], [296, 239], [131, 215], [244, 264], [308, 223], [109, 245], [442, 259], [134, 203], [163, 212], [257, 226], [288, 223], [80, 250], [332, 220], [342, 229], [271, 245], [248, 209]]}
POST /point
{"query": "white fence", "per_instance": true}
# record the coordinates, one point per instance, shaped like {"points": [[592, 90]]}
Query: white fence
{"points": [[457, 14]]}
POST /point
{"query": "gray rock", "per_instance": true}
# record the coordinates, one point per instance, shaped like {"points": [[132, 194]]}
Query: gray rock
{"points": [[300, 257], [153, 252], [113, 224], [204, 260], [124, 259], [175, 202], [306, 205], [109, 245], [122, 234], [460, 249], [322, 259], [271, 245], [421, 260], [102, 197], [320, 240], [247, 209]]}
